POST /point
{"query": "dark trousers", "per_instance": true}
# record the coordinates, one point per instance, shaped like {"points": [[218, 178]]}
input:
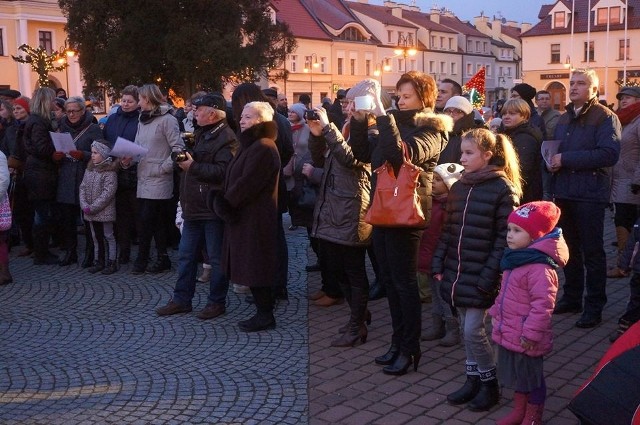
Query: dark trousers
{"points": [[632, 315], [23, 212], [625, 216], [126, 223], [397, 254], [344, 268], [152, 222], [42, 223], [69, 214], [282, 272], [582, 225]]}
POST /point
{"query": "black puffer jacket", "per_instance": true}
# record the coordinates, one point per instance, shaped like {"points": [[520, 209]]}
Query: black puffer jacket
{"points": [[40, 172], [473, 239], [214, 149], [425, 134], [527, 141], [452, 152]]}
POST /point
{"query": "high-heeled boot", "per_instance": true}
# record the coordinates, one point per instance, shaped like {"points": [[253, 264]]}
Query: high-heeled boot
{"points": [[390, 356], [469, 389], [489, 393], [402, 363], [356, 330]]}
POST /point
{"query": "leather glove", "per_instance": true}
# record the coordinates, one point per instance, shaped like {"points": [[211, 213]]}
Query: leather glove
{"points": [[57, 156], [76, 155]]}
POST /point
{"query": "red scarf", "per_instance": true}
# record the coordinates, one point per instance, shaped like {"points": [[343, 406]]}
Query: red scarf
{"points": [[627, 114], [298, 126]]}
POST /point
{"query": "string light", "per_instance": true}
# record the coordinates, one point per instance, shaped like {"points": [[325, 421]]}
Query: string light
{"points": [[42, 62], [475, 88]]}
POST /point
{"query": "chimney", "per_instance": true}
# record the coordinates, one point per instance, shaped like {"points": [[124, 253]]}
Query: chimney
{"points": [[481, 21], [434, 14], [525, 27], [496, 28]]}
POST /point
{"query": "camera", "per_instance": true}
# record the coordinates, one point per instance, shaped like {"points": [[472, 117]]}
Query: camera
{"points": [[188, 138], [310, 114], [179, 156]]}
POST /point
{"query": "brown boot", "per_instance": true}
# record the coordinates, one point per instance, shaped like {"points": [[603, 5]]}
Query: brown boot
{"points": [[622, 234], [327, 301], [5, 275]]}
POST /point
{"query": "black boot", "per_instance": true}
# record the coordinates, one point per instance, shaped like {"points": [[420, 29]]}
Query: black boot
{"points": [[390, 356], [162, 263], [402, 363], [70, 257], [263, 319], [356, 331], [111, 267], [97, 266], [41, 254], [489, 393], [470, 388]]}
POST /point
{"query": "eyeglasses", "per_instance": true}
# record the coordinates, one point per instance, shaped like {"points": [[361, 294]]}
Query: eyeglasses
{"points": [[453, 111], [73, 111]]}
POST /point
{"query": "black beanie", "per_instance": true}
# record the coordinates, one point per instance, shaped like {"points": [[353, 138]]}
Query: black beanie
{"points": [[525, 91]]}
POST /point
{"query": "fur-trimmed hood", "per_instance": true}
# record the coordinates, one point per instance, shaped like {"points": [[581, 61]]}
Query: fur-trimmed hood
{"points": [[263, 130], [113, 165], [424, 118]]}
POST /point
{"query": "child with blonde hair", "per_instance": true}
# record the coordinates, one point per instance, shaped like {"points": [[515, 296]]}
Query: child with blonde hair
{"points": [[467, 259]]}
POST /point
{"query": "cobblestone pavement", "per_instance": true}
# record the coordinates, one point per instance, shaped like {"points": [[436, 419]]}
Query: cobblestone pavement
{"points": [[77, 348]]}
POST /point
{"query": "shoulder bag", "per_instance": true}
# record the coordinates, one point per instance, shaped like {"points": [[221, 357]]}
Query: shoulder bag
{"points": [[396, 202]]}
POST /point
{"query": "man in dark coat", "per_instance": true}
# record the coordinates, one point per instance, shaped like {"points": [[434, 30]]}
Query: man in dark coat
{"points": [[202, 177]]}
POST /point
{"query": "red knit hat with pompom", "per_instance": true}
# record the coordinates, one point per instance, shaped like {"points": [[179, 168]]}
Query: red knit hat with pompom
{"points": [[536, 218]]}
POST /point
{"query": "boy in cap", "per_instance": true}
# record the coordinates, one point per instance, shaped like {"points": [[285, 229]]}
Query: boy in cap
{"points": [[445, 326], [521, 315]]}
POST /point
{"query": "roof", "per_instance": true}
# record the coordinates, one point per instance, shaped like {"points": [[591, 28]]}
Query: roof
{"points": [[581, 19], [510, 31], [380, 14], [464, 28], [500, 43], [301, 23], [424, 20]]}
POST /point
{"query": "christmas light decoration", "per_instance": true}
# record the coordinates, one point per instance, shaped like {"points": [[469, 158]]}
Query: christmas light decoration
{"points": [[630, 83], [42, 62], [475, 89]]}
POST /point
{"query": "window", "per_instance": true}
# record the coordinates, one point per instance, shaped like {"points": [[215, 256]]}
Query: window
{"points": [[45, 41], [367, 67], [469, 45], [433, 41], [488, 70], [454, 68], [484, 46], [450, 43], [323, 64], [340, 66], [469, 69], [442, 42], [389, 36], [614, 15], [351, 34], [555, 53], [414, 65], [2, 42], [478, 67], [559, 20], [352, 63], [601, 16], [432, 67], [401, 67], [622, 51], [501, 72], [588, 48], [443, 67], [477, 46], [294, 60]]}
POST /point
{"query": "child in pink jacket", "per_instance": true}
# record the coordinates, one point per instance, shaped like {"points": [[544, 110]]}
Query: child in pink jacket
{"points": [[521, 315]]}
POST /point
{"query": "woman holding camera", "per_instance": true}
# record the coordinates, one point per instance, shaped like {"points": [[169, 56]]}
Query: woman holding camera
{"points": [[424, 134], [158, 131]]}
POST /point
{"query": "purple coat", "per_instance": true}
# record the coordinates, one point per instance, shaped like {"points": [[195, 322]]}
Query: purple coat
{"points": [[526, 300]]}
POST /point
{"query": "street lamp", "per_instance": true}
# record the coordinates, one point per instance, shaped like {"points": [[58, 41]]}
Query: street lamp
{"points": [[310, 63], [64, 54], [405, 48], [381, 68]]}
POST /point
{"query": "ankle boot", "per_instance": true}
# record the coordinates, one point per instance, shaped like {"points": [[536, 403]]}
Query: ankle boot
{"points": [[437, 329], [489, 393], [516, 416], [470, 388], [111, 267], [161, 264], [402, 363], [350, 338], [5, 275], [390, 356], [533, 414], [263, 319], [367, 318], [452, 335], [97, 266]]}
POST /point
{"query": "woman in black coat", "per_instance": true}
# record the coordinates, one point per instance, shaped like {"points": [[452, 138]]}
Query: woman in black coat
{"points": [[41, 172], [527, 140], [425, 134], [249, 205]]}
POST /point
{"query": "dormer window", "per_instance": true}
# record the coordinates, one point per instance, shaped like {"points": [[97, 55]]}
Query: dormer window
{"points": [[351, 34], [615, 15], [559, 20]]}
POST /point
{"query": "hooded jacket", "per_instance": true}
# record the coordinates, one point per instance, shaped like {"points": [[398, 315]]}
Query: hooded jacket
{"points": [[98, 191], [527, 297]]}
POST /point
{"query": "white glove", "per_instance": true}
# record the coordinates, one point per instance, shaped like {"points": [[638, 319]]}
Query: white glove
{"points": [[323, 117]]}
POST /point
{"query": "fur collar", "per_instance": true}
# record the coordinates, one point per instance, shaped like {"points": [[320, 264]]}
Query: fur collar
{"points": [[263, 130], [424, 118], [112, 165]]}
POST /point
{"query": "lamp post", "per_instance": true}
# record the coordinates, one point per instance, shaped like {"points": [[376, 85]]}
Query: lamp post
{"points": [[64, 54], [312, 62], [405, 48], [381, 68]]}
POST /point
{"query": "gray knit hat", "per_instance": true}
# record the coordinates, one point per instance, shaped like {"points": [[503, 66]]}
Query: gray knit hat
{"points": [[101, 147]]}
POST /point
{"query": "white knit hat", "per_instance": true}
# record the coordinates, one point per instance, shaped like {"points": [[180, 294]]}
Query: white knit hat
{"points": [[459, 102], [449, 172]]}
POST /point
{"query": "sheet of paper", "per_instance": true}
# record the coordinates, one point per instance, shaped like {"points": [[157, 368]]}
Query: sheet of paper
{"points": [[548, 149], [124, 148], [63, 142]]}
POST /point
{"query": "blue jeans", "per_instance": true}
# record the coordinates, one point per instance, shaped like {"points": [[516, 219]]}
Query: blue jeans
{"points": [[193, 233]]}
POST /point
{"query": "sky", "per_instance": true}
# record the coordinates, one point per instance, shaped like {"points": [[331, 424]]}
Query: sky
{"points": [[512, 10]]}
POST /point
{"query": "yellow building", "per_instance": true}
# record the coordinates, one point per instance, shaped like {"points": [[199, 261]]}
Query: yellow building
{"points": [[36, 23]]}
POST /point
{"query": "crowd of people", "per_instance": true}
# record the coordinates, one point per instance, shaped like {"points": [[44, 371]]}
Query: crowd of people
{"points": [[500, 219]]}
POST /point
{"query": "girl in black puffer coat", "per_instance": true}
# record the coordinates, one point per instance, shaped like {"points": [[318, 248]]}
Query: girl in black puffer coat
{"points": [[467, 259]]}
